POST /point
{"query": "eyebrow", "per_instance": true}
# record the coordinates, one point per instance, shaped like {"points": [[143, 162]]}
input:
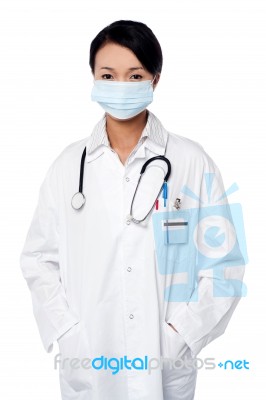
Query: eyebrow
{"points": [[130, 69]]}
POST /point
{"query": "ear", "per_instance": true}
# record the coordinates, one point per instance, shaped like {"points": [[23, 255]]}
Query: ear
{"points": [[156, 80]]}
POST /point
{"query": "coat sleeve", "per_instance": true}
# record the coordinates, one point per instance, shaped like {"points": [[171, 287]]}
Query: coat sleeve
{"points": [[202, 320], [39, 262]]}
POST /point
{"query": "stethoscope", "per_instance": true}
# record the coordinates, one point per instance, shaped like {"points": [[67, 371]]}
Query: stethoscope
{"points": [[79, 199]]}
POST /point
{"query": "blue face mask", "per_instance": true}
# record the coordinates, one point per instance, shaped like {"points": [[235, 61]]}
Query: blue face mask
{"points": [[122, 100]]}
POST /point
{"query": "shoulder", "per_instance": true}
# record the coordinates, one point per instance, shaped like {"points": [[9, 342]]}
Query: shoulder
{"points": [[70, 153], [182, 143], [69, 156], [194, 163], [190, 151]]}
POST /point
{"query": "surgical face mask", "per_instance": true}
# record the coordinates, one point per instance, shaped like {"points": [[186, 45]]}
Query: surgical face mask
{"points": [[122, 100]]}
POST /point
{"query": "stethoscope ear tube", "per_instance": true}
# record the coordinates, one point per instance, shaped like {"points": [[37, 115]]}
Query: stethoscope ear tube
{"points": [[163, 187], [82, 170], [160, 157], [78, 200]]}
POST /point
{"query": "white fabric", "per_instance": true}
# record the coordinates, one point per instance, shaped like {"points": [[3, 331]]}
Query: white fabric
{"points": [[93, 274]]}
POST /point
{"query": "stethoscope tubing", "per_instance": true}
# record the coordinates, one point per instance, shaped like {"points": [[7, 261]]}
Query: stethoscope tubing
{"points": [[143, 169], [78, 200], [81, 174]]}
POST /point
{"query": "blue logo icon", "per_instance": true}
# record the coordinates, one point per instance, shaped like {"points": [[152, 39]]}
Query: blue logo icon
{"points": [[210, 236]]}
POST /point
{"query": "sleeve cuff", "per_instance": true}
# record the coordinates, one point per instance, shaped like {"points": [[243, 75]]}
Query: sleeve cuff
{"points": [[184, 323], [48, 342]]}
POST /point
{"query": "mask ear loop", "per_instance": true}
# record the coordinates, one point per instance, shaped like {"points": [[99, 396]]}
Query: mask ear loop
{"points": [[153, 79]]}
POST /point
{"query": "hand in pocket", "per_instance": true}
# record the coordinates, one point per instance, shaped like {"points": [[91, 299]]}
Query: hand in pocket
{"points": [[174, 346], [75, 366]]}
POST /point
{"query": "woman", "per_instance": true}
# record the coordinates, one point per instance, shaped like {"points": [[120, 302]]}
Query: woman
{"points": [[114, 274]]}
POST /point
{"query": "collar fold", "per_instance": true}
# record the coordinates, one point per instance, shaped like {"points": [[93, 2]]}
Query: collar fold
{"points": [[153, 135]]}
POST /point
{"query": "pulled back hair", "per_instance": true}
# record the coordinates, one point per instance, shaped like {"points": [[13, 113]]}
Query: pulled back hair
{"points": [[134, 35]]}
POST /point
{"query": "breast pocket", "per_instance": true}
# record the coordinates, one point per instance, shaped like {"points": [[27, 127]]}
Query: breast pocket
{"points": [[172, 240], [175, 230]]}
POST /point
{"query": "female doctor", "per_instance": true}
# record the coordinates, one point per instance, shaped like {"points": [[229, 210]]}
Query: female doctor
{"points": [[109, 257]]}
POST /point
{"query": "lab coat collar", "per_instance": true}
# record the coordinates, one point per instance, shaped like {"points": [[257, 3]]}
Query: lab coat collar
{"points": [[153, 135]]}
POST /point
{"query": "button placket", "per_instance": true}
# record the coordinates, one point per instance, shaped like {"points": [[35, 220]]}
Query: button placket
{"points": [[129, 284], [127, 189]]}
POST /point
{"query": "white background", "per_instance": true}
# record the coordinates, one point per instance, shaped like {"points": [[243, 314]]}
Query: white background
{"points": [[212, 90]]}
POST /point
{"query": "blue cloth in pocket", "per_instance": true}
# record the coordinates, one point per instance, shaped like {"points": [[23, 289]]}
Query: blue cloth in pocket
{"points": [[172, 243], [175, 230]]}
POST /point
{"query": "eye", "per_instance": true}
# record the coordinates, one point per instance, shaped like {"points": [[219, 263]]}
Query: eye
{"points": [[107, 76], [136, 77]]}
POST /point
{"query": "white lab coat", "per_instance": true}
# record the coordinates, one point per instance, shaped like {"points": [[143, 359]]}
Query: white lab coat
{"points": [[93, 274]]}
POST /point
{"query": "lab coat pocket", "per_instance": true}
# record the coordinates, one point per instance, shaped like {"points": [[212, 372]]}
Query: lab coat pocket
{"points": [[75, 360], [171, 236], [175, 230], [174, 346]]}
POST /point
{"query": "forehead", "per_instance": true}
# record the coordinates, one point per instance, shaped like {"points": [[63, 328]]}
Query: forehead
{"points": [[115, 56]]}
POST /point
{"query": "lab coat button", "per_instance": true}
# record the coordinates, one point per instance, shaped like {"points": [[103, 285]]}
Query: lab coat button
{"points": [[129, 269], [127, 179], [131, 316]]}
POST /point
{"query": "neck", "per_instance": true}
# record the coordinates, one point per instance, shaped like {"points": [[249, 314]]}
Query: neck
{"points": [[124, 134]]}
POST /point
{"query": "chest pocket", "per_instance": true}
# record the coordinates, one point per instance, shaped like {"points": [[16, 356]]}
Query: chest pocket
{"points": [[175, 230], [172, 240]]}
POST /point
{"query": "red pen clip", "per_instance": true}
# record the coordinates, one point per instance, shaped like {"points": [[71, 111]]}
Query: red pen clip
{"points": [[157, 204]]}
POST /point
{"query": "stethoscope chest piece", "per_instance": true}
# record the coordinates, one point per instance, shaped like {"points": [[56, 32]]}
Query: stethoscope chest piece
{"points": [[78, 200]]}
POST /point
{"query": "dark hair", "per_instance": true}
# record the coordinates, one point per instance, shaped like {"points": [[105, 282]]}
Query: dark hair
{"points": [[137, 37]]}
